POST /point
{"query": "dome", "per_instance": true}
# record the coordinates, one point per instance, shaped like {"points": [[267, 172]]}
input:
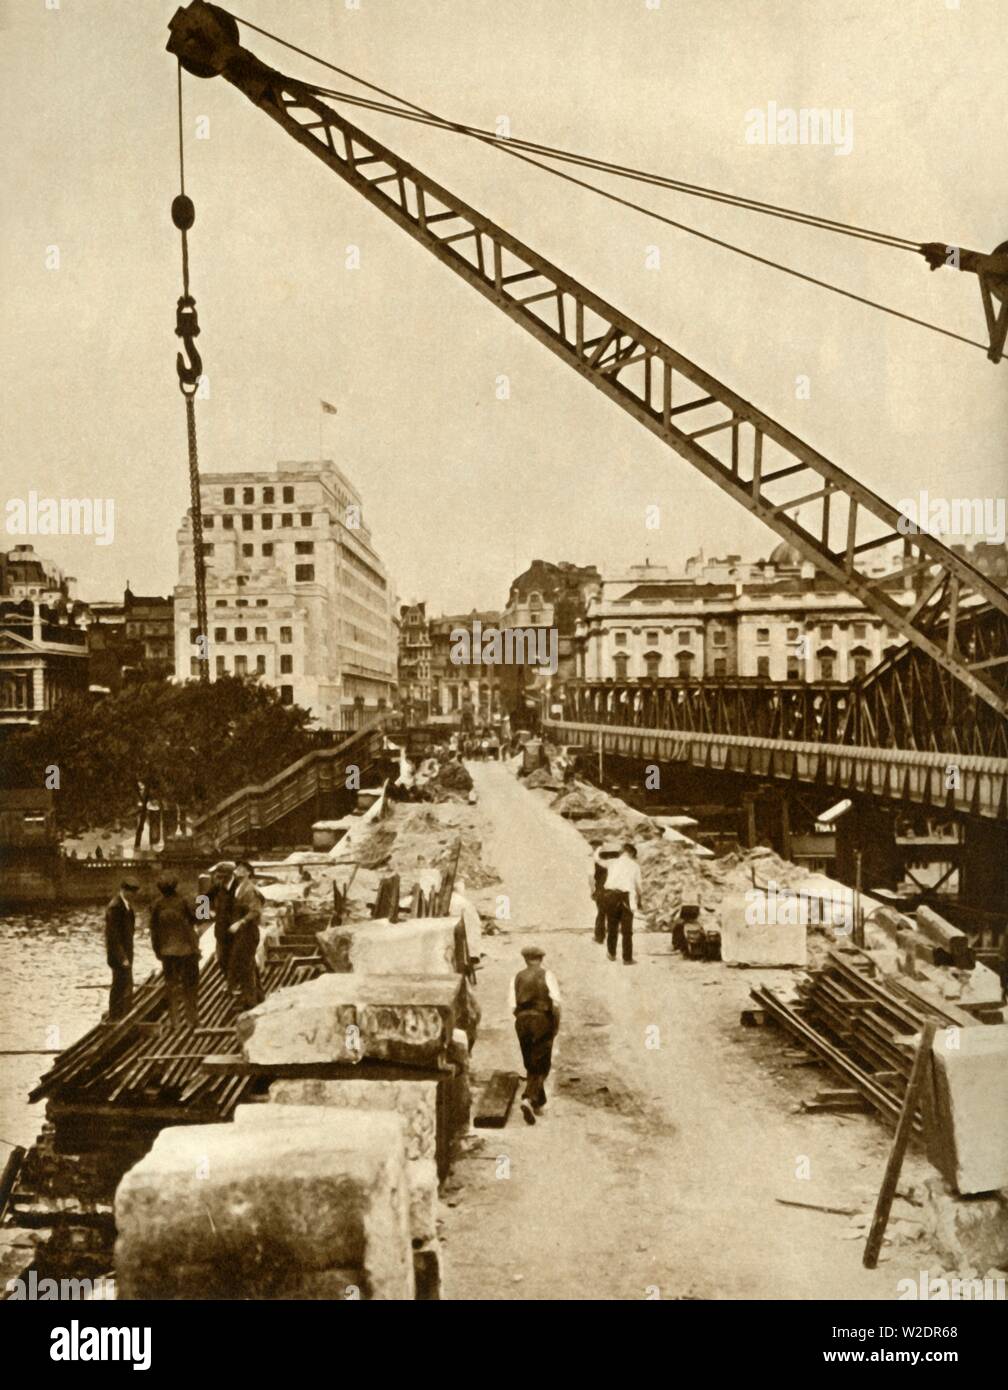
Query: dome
{"points": [[785, 554]]}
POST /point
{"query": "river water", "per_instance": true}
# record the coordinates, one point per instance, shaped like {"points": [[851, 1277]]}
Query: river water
{"points": [[53, 988]]}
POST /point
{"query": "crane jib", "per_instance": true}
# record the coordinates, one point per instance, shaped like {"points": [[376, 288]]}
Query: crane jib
{"points": [[744, 452]]}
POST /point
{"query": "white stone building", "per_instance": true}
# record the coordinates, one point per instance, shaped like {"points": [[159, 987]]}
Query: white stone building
{"points": [[296, 593]]}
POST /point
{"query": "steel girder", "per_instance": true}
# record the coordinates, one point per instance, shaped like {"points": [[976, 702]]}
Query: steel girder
{"points": [[745, 452]]}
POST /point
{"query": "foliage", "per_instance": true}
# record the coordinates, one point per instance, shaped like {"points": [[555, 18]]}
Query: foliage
{"points": [[192, 744]]}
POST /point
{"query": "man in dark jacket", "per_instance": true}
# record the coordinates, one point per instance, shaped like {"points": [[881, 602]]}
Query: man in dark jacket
{"points": [[176, 945], [242, 971], [120, 921], [224, 910], [535, 1003]]}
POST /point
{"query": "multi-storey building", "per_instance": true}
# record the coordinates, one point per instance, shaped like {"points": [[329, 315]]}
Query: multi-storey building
{"points": [[414, 662], [26, 575], [134, 639], [466, 693], [778, 619], [296, 593], [552, 597], [43, 658]]}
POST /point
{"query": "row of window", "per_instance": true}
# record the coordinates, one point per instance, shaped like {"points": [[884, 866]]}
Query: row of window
{"points": [[303, 574], [248, 495], [684, 666], [248, 520], [241, 666], [241, 634], [719, 637]]}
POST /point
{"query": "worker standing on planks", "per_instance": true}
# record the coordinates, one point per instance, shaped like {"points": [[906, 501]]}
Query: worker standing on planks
{"points": [[242, 971], [225, 887], [535, 1003], [622, 892], [120, 921], [176, 945]]}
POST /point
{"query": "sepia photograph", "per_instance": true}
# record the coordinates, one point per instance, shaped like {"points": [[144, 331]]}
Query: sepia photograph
{"points": [[504, 669]]}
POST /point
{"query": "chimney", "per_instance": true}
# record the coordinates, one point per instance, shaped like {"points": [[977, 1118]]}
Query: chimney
{"points": [[36, 623]]}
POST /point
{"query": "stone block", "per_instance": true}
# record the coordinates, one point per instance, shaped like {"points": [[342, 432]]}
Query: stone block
{"points": [[970, 1146], [406, 1019], [969, 1233], [268, 1208], [419, 946], [758, 931]]}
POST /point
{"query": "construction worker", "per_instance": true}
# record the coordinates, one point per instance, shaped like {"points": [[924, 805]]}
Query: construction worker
{"points": [[622, 893], [120, 921], [225, 886], [176, 945], [600, 864], [535, 1003], [242, 971]]}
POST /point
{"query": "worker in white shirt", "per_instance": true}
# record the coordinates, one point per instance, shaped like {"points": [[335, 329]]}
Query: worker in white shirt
{"points": [[622, 895], [535, 1003]]}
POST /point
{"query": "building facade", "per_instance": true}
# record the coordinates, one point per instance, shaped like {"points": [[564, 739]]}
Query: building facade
{"points": [[553, 597], [296, 593], [776, 619], [414, 662], [131, 640], [462, 693], [43, 659]]}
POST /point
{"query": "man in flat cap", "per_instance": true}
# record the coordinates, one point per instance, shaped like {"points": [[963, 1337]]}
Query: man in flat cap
{"points": [[176, 945], [535, 1003], [120, 921]]}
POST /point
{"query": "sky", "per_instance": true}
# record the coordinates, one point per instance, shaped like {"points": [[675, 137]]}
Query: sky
{"points": [[462, 489]]}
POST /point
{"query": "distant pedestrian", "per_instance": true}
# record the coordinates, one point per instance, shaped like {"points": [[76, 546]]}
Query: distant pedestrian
{"points": [[120, 921], [242, 971], [535, 1003], [622, 892], [225, 886], [600, 866], [176, 945]]}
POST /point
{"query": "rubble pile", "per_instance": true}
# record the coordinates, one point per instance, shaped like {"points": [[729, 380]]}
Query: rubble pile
{"points": [[450, 778], [542, 780], [672, 875], [471, 868], [602, 817]]}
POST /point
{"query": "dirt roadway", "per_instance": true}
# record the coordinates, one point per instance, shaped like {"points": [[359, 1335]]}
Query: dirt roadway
{"points": [[654, 1170]]}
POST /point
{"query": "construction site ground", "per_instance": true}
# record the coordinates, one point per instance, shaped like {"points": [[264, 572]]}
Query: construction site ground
{"points": [[671, 1130]]}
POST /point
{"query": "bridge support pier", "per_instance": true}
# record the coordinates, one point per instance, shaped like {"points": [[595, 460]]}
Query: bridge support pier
{"points": [[871, 829], [983, 866]]}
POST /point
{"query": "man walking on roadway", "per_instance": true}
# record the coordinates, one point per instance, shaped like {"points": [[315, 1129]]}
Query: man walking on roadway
{"points": [[622, 895], [535, 1003]]}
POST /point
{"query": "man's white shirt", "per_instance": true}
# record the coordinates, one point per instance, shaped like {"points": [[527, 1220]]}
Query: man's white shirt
{"points": [[624, 876], [551, 985]]}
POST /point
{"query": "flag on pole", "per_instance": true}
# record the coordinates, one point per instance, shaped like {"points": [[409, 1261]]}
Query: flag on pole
{"points": [[328, 409]]}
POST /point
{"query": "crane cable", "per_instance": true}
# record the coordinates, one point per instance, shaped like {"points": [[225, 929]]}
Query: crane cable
{"points": [[511, 146], [189, 374]]}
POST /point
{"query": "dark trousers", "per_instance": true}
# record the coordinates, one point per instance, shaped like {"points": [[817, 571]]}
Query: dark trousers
{"points": [[619, 921], [222, 949], [535, 1038], [242, 971], [121, 991], [600, 918], [181, 977]]}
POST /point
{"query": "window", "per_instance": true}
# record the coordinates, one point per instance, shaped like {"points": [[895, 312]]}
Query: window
{"points": [[652, 638], [219, 666], [304, 547], [620, 665], [860, 666], [248, 550], [306, 518], [220, 602], [286, 664], [262, 602], [228, 523], [792, 634], [619, 639], [241, 666], [220, 634], [535, 599], [208, 523], [207, 548], [286, 694], [267, 552], [193, 634], [826, 668], [288, 494], [860, 629], [241, 634], [535, 619], [267, 521], [248, 495], [763, 666], [303, 574], [793, 669], [242, 603], [286, 634], [262, 634], [762, 634], [286, 519], [684, 636], [720, 637], [194, 666], [825, 629], [260, 666], [229, 497], [652, 665], [248, 521], [267, 494], [720, 666], [684, 665]]}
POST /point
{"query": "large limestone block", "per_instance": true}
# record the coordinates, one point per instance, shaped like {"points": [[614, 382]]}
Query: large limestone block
{"points": [[267, 1208], [419, 946], [971, 1102], [757, 930], [415, 1102], [350, 1018]]}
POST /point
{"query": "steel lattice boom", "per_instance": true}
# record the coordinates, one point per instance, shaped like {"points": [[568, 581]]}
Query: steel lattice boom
{"points": [[745, 452]]}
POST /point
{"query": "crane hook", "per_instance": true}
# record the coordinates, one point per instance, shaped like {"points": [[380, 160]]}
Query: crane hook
{"points": [[187, 328]]}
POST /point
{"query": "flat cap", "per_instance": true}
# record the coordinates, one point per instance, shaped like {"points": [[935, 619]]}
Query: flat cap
{"points": [[533, 952]]}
